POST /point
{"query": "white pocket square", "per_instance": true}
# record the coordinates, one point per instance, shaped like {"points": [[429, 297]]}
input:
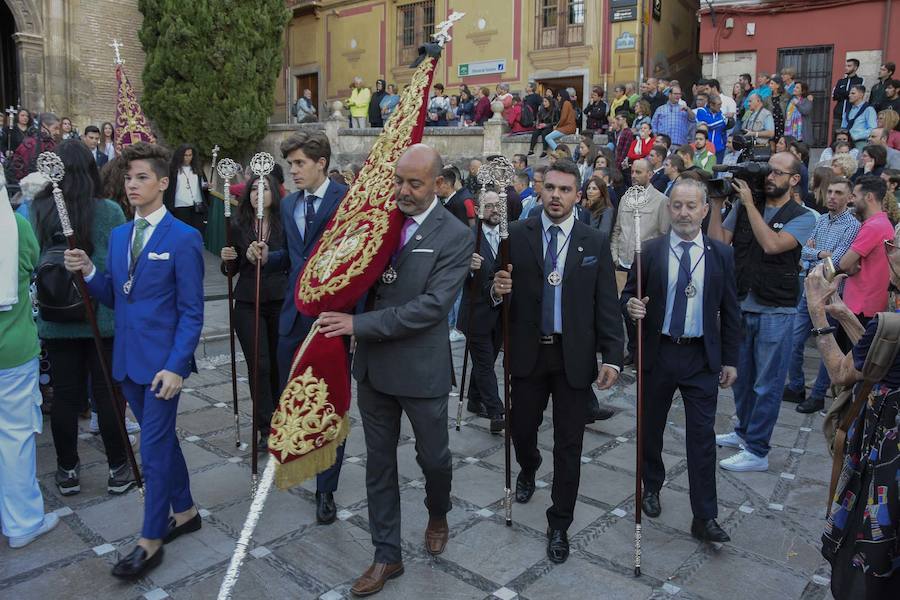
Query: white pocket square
{"points": [[155, 256], [429, 250]]}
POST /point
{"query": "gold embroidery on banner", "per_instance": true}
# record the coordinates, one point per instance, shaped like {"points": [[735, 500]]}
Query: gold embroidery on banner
{"points": [[357, 230], [305, 419]]}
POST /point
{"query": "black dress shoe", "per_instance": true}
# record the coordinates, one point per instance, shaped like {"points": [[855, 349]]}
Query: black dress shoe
{"points": [[651, 505], [789, 395], [708, 531], [175, 531], [136, 564], [811, 405], [326, 511], [557, 545], [262, 445], [599, 413], [497, 424], [524, 486]]}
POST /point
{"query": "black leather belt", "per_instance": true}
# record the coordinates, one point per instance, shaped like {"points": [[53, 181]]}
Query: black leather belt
{"points": [[549, 340], [684, 341]]}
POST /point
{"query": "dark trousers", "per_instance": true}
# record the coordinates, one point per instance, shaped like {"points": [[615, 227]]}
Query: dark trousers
{"points": [[630, 325], [326, 481], [484, 349], [686, 369], [189, 215], [542, 135], [167, 484], [529, 400], [381, 423], [269, 384], [75, 365]]}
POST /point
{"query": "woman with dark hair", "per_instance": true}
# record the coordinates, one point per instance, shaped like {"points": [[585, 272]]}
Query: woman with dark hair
{"points": [[821, 179], [547, 117], [873, 160], [566, 124], [187, 196], [74, 362], [67, 131], [587, 156], [466, 111], [234, 261], [597, 202], [112, 178], [108, 140], [796, 117]]}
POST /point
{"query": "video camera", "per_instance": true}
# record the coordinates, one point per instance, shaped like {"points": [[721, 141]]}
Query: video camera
{"points": [[752, 172]]}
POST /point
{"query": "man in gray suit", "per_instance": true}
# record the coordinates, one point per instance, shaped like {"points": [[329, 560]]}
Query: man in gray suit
{"points": [[402, 361]]}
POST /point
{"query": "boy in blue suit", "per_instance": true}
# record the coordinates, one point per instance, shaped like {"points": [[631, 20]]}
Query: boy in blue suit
{"points": [[154, 282]]}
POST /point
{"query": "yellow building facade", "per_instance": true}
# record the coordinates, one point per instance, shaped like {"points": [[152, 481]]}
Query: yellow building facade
{"points": [[555, 43]]}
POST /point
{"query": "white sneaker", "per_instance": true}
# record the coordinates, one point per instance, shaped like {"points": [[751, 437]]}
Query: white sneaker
{"points": [[51, 520], [729, 440], [131, 426], [94, 427], [745, 461], [456, 336]]}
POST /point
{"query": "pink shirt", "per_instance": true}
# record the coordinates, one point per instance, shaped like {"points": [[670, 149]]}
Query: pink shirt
{"points": [[866, 292]]}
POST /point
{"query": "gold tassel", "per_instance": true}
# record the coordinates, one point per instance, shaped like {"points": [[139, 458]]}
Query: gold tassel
{"points": [[309, 465]]}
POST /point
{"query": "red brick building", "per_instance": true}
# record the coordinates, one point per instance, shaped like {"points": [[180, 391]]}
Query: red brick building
{"points": [[816, 38]]}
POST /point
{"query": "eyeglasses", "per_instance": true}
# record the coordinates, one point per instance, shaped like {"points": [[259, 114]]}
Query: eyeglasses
{"points": [[781, 173]]}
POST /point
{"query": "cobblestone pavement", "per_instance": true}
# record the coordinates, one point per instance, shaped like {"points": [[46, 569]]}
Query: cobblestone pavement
{"points": [[774, 518]]}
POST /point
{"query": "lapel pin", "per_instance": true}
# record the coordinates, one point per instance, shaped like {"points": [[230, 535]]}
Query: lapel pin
{"points": [[418, 237], [580, 249]]}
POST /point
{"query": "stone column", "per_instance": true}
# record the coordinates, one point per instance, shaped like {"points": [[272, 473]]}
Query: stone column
{"points": [[333, 123], [30, 48], [56, 76], [493, 131]]}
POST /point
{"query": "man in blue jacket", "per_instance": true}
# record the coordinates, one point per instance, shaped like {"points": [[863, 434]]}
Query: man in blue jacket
{"points": [[154, 282]]}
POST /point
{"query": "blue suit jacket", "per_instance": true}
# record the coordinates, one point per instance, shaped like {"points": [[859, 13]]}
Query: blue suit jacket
{"points": [[721, 310], [158, 324], [296, 251]]}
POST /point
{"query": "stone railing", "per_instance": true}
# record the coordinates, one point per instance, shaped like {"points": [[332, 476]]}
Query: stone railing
{"points": [[455, 144]]}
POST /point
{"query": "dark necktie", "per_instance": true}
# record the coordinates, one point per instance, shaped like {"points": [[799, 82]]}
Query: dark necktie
{"points": [[548, 301], [679, 306], [310, 213]]}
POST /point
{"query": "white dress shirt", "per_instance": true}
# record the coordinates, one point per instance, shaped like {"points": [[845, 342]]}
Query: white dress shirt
{"points": [[693, 321], [187, 188], [417, 222], [300, 206]]}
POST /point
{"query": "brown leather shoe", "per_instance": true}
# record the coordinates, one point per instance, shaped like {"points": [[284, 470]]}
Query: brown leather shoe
{"points": [[373, 580], [436, 535]]}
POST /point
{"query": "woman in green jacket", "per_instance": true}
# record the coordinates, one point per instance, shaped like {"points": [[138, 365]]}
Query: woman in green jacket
{"points": [[74, 362]]}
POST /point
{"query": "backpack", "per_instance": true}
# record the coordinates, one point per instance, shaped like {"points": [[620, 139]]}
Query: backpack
{"points": [[527, 116], [294, 108], [844, 409], [56, 292]]}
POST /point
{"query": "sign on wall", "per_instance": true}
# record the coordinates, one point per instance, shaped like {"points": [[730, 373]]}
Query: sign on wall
{"points": [[626, 41], [484, 67], [623, 10]]}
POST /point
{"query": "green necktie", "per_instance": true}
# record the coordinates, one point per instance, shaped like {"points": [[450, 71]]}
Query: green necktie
{"points": [[138, 244]]}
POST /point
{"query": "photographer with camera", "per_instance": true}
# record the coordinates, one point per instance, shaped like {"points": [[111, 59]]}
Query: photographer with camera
{"points": [[758, 123], [767, 235]]}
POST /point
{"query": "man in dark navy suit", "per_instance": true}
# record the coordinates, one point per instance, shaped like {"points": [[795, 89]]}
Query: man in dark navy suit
{"points": [[304, 213], [691, 338], [91, 139], [483, 328]]}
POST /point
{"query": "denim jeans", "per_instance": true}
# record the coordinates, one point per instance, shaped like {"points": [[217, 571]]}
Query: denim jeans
{"points": [[551, 138], [796, 379], [453, 316], [762, 368]]}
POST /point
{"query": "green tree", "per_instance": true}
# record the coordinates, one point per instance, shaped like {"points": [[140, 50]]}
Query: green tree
{"points": [[211, 68]]}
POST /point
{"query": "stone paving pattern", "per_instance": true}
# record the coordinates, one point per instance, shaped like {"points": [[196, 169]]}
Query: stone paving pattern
{"points": [[774, 518]]}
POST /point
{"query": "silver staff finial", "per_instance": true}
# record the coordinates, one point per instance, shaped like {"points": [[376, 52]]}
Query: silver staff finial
{"points": [[502, 174], [442, 31], [115, 46], [261, 164], [51, 166], [227, 169]]}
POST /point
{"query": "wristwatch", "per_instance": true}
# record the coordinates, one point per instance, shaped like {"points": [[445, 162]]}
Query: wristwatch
{"points": [[817, 331]]}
